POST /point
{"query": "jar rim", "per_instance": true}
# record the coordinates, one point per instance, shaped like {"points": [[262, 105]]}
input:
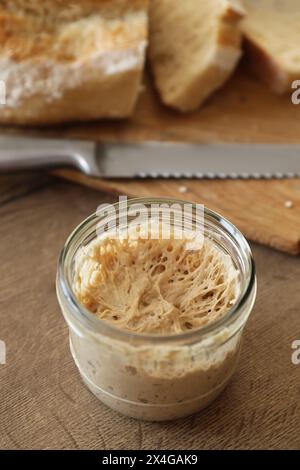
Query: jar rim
{"points": [[101, 326]]}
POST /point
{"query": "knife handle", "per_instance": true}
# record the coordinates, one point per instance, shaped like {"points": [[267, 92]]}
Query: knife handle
{"points": [[22, 153]]}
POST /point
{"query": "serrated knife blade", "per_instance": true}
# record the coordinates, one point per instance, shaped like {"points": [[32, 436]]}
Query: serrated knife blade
{"points": [[152, 159], [184, 160]]}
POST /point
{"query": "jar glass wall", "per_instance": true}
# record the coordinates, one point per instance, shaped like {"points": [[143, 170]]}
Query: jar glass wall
{"points": [[155, 377]]}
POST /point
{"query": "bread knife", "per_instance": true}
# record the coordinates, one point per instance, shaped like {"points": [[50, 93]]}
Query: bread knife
{"points": [[152, 159]]}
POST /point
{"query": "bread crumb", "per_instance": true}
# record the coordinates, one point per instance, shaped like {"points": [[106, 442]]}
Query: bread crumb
{"points": [[182, 189], [180, 56], [288, 204]]}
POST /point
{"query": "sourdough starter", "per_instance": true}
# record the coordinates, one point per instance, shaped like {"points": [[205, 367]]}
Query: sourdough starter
{"points": [[163, 289]]}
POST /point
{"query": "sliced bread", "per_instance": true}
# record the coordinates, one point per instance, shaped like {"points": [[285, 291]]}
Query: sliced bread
{"points": [[194, 47], [272, 32], [71, 60]]}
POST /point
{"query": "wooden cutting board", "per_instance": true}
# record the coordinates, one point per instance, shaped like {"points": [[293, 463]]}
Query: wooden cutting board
{"points": [[245, 111]]}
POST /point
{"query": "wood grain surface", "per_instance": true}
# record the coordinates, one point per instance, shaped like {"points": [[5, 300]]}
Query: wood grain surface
{"points": [[257, 208], [44, 404], [245, 111]]}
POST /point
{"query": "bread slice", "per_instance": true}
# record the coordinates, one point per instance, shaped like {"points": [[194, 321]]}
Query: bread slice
{"points": [[67, 60], [272, 32], [194, 47]]}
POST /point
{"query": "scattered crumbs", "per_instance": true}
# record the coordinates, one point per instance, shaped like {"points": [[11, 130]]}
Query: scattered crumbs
{"points": [[288, 204], [182, 189]]}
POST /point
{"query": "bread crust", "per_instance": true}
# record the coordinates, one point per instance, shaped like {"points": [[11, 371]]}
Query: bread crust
{"points": [[85, 62]]}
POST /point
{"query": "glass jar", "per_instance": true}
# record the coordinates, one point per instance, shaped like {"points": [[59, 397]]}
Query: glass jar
{"points": [[154, 377]]}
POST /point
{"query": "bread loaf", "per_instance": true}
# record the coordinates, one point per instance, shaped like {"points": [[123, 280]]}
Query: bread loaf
{"points": [[73, 60], [194, 47], [272, 32]]}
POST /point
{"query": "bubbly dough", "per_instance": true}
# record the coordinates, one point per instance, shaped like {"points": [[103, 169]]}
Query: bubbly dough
{"points": [[155, 286], [161, 287]]}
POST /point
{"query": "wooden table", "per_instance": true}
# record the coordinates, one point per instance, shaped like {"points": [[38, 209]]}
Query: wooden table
{"points": [[43, 403]]}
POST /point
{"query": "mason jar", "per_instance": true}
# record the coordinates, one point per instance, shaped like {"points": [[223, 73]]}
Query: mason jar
{"points": [[157, 377]]}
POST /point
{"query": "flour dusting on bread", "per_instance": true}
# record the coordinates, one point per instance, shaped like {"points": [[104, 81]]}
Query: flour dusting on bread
{"points": [[84, 59]]}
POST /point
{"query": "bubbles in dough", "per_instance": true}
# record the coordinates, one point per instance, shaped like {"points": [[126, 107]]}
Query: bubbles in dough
{"points": [[155, 286]]}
